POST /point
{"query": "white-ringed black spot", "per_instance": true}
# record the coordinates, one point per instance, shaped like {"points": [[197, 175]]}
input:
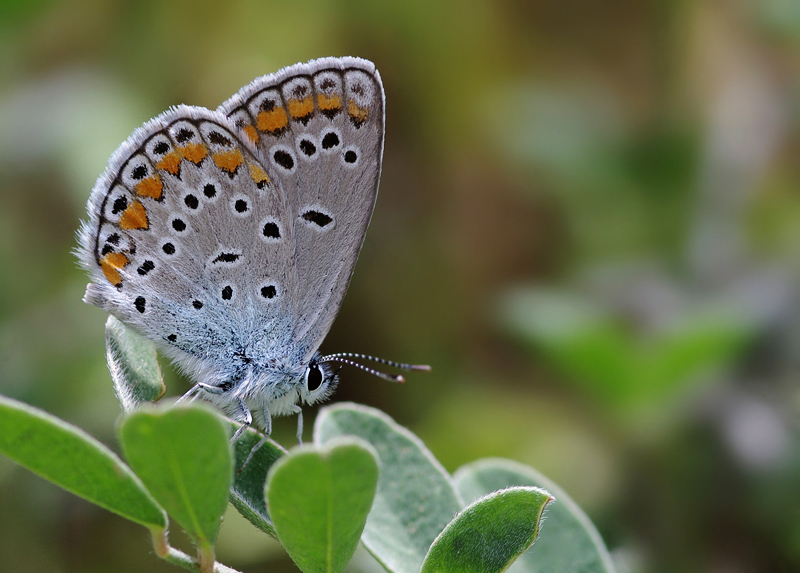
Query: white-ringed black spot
{"points": [[184, 135], [219, 139], [168, 248], [139, 303], [191, 201], [113, 238], [226, 258], [267, 105], [106, 249], [240, 205], [350, 156], [330, 140], [327, 84], [197, 304], [139, 172], [119, 205], [161, 147], [179, 225], [271, 230], [210, 191], [307, 147], [227, 292], [269, 291], [146, 267], [172, 337], [317, 217], [283, 159]]}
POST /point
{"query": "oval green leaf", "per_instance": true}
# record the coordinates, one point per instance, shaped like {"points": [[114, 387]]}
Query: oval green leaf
{"points": [[569, 542], [133, 365], [74, 460], [319, 498], [415, 498], [489, 534], [247, 491], [183, 456]]}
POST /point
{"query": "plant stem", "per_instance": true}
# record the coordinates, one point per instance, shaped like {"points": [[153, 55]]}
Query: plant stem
{"points": [[178, 557], [206, 557]]}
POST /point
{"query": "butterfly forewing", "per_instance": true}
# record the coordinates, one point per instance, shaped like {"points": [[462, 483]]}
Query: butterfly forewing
{"points": [[319, 127]]}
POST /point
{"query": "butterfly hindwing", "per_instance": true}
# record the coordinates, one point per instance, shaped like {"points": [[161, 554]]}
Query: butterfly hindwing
{"points": [[189, 237]]}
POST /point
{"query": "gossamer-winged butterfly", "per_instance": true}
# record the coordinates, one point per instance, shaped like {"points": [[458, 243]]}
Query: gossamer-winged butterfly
{"points": [[229, 237]]}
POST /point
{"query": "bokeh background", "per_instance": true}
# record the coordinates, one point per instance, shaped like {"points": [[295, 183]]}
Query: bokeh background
{"points": [[588, 224]]}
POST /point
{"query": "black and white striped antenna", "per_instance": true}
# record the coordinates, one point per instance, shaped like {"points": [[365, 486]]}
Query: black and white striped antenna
{"points": [[345, 358]]}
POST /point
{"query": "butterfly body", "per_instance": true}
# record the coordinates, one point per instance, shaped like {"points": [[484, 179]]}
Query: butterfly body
{"points": [[228, 237]]}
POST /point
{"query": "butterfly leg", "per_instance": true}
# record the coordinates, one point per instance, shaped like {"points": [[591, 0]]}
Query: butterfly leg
{"points": [[253, 451], [244, 416], [263, 440], [267, 421], [299, 411], [193, 393]]}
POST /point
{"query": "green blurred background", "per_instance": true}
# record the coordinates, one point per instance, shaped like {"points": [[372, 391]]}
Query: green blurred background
{"points": [[588, 224]]}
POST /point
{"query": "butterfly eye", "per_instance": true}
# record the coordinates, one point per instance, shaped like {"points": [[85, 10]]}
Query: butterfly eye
{"points": [[313, 377]]}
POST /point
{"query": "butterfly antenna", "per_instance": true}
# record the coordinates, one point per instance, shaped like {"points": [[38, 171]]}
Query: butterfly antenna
{"points": [[344, 358]]}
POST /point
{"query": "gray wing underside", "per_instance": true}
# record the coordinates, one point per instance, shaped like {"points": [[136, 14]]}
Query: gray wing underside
{"points": [[267, 281], [319, 127], [188, 240]]}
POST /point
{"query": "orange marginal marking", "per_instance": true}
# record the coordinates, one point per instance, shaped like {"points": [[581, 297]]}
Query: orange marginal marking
{"points": [[134, 217], [110, 265], [273, 120], [150, 187], [171, 162], [251, 133], [259, 176], [357, 113], [301, 107], [194, 152], [329, 103], [229, 160]]}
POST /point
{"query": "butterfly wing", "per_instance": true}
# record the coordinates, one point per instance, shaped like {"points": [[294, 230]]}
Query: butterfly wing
{"points": [[188, 240], [319, 126], [234, 233]]}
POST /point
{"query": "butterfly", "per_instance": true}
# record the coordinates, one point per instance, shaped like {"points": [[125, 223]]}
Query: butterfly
{"points": [[229, 237]]}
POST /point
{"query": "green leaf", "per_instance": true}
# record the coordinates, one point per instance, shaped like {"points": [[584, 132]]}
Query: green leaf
{"points": [[319, 498], [133, 366], [415, 498], [74, 460], [183, 456], [597, 349], [489, 534], [247, 491], [569, 543]]}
